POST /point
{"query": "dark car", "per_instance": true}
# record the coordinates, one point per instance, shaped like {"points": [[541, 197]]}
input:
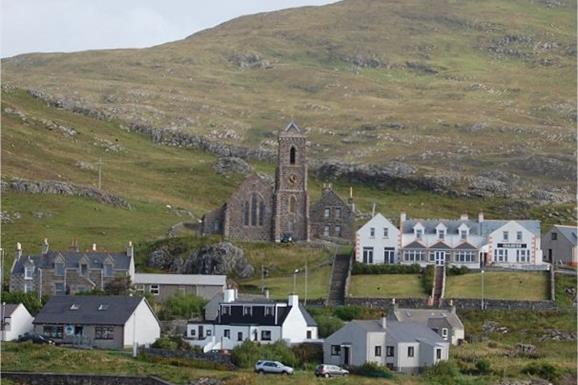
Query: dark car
{"points": [[36, 339], [330, 371], [287, 238]]}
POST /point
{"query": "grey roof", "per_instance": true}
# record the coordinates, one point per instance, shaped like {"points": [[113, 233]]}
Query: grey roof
{"points": [[310, 321], [484, 228], [423, 315], [412, 331], [569, 232], [9, 309], [121, 261], [116, 310], [180, 279], [370, 325]]}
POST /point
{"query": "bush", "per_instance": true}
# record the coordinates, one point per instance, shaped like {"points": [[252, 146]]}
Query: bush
{"points": [[246, 354], [371, 369], [183, 306], [309, 355], [249, 352], [348, 313], [543, 370], [166, 343], [30, 300], [443, 373], [327, 325], [484, 366], [362, 268], [455, 270], [427, 278]]}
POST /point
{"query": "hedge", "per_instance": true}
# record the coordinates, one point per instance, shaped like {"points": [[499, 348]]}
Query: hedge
{"points": [[363, 268]]}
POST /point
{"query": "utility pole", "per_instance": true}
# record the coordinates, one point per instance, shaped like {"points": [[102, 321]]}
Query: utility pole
{"points": [[99, 173], [262, 279], [482, 289], [295, 281], [306, 279]]}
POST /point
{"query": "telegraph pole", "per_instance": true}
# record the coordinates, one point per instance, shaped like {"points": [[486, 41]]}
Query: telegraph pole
{"points": [[306, 279]]}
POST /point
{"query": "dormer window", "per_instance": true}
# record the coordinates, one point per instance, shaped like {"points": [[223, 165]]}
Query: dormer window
{"points": [[226, 310], [103, 307], [83, 269], [108, 269], [246, 310], [74, 306], [59, 268], [418, 233], [28, 272], [464, 234], [269, 310], [441, 234]]}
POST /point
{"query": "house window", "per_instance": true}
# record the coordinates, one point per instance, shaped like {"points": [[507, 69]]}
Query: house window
{"points": [[53, 331], [506, 235], [247, 310], [368, 255], [445, 333], [522, 255], [83, 269], [227, 333], [502, 255], [269, 310], [554, 236], [385, 232], [226, 310], [337, 230], [389, 351], [372, 232], [28, 287], [327, 212], [239, 336], [464, 235], [465, 256], [410, 351], [335, 350], [108, 270], [518, 235], [308, 334], [413, 255], [209, 332], [338, 212], [192, 333], [378, 351], [326, 230], [59, 288], [439, 354], [59, 269], [28, 272], [418, 233], [103, 333], [265, 335], [389, 255], [441, 234], [154, 289], [140, 288]]}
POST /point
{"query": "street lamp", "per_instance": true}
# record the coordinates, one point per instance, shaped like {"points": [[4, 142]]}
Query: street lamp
{"points": [[482, 289], [295, 281]]}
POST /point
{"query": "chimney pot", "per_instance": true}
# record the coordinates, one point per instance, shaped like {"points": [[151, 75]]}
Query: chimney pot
{"points": [[18, 246], [402, 217], [464, 217], [383, 321], [94, 247], [480, 217]]}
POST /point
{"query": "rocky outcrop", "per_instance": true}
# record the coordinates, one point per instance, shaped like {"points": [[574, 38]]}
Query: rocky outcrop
{"points": [[249, 60], [232, 165], [219, 258], [63, 188]]}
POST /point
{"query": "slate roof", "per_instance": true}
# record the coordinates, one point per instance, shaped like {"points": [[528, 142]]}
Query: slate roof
{"points": [[412, 331], [569, 232], [485, 228], [423, 315], [58, 310], [310, 321], [256, 317], [9, 309], [369, 326], [120, 261], [180, 279]]}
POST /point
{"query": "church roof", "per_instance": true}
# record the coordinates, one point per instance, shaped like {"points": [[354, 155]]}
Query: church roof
{"points": [[292, 129]]}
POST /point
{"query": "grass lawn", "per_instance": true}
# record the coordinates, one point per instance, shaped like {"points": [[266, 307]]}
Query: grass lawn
{"points": [[386, 285], [531, 286], [281, 286]]}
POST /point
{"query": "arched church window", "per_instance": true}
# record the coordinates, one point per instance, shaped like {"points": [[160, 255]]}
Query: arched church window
{"points": [[246, 213], [292, 204], [261, 212], [254, 208], [292, 155]]}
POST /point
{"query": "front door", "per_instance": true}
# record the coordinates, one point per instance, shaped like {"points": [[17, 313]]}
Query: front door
{"points": [[389, 255], [440, 257], [201, 332], [345, 353], [368, 255], [78, 330]]}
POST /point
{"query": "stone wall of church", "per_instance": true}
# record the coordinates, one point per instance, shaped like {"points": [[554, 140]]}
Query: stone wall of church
{"points": [[214, 221]]}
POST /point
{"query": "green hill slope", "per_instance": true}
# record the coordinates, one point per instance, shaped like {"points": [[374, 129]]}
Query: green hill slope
{"points": [[462, 87]]}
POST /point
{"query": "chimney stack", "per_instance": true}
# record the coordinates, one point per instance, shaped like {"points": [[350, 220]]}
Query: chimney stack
{"points": [[464, 217], [402, 217], [130, 250], [94, 247], [480, 217], [266, 293], [45, 246], [293, 300], [229, 295], [18, 250], [383, 321]]}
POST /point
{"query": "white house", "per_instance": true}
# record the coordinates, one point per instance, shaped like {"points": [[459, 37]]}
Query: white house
{"points": [[16, 321], [109, 322], [377, 242], [513, 243], [401, 346], [256, 319]]}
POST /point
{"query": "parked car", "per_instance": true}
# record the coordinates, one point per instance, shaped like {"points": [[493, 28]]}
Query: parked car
{"points": [[330, 371], [36, 339], [277, 367]]}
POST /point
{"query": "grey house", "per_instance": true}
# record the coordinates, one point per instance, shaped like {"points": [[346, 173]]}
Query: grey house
{"points": [[559, 245], [108, 322], [401, 346], [163, 286], [445, 322]]}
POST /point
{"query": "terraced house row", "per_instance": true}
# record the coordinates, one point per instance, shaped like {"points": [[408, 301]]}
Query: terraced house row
{"points": [[458, 242]]}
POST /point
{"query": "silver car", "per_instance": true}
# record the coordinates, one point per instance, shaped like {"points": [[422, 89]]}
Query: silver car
{"points": [[330, 371], [276, 367]]}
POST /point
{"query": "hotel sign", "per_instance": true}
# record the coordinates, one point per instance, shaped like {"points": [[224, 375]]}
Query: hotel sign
{"points": [[512, 245]]}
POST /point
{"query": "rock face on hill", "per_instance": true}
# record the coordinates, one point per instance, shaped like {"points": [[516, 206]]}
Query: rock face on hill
{"points": [[231, 165], [219, 258], [63, 188]]}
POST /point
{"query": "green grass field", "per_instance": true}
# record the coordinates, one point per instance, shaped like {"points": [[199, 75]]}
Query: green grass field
{"points": [[386, 285], [499, 285]]}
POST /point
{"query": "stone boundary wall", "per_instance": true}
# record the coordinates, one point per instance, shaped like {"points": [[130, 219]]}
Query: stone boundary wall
{"points": [[552, 283], [29, 378], [459, 303], [215, 357]]}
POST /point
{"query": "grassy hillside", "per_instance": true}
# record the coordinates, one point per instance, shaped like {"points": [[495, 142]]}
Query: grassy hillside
{"points": [[446, 86]]}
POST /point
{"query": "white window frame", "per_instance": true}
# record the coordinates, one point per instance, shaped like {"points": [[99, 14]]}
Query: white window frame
{"points": [[522, 255], [506, 235], [368, 255], [372, 232], [226, 309], [386, 232], [519, 236], [326, 230], [501, 255], [337, 230], [28, 287], [464, 235], [445, 332], [155, 290], [29, 272], [247, 310], [327, 212], [441, 234], [418, 233], [338, 212]]}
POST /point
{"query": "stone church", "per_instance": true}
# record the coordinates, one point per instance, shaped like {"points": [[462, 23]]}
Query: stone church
{"points": [[265, 210]]}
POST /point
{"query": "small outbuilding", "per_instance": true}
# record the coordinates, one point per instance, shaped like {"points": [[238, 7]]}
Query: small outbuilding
{"points": [[16, 321]]}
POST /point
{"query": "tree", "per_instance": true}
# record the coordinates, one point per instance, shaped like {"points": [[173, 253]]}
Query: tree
{"points": [[118, 286]]}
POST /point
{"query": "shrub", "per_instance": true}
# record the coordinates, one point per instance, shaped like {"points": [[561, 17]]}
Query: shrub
{"points": [[543, 370], [371, 369], [483, 366], [362, 268], [427, 278], [249, 352], [30, 300], [165, 343], [348, 313], [246, 354], [327, 325], [182, 306], [308, 354], [443, 373], [455, 270]]}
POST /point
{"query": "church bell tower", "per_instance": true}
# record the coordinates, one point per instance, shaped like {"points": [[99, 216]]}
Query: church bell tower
{"points": [[291, 197]]}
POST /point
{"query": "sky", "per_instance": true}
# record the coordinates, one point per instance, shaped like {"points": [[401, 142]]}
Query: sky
{"points": [[76, 25]]}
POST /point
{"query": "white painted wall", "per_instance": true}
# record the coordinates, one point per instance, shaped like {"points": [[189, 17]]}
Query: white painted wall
{"points": [[378, 241], [20, 323], [532, 244], [294, 329], [148, 329]]}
